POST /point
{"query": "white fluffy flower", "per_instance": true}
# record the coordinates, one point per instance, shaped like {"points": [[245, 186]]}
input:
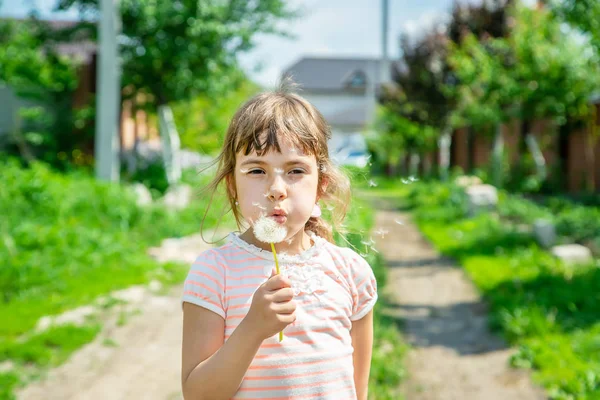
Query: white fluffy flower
{"points": [[269, 231]]}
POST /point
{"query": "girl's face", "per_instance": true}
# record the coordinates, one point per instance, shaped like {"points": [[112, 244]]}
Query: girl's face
{"points": [[282, 186]]}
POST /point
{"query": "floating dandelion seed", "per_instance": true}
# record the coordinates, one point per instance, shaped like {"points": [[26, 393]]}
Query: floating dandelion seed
{"points": [[257, 204], [330, 207], [363, 254], [372, 183], [412, 179], [374, 249], [370, 242], [243, 171], [398, 221], [381, 232], [278, 171], [266, 194], [405, 181]]}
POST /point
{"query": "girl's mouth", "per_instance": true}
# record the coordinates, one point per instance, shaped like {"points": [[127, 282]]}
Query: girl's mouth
{"points": [[280, 219], [279, 216]]}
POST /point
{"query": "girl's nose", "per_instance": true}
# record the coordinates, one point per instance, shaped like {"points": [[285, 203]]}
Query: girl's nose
{"points": [[277, 191]]}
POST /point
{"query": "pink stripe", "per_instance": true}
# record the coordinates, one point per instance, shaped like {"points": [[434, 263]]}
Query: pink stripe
{"points": [[216, 282], [299, 386], [207, 299], [300, 375], [190, 282]]}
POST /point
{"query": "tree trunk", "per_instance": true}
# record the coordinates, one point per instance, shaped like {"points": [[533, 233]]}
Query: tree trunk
{"points": [[413, 168], [497, 155], [538, 157], [444, 142], [170, 143]]}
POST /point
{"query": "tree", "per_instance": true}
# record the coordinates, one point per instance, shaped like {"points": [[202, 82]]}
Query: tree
{"points": [[535, 73], [484, 19], [583, 15], [37, 74], [177, 50]]}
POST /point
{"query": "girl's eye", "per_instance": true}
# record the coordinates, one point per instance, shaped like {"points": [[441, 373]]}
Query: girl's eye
{"points": [[297, 171], [255, 171]]}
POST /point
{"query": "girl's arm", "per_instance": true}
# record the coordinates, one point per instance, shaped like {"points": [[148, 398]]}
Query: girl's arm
{"points": [[211, 369], [362, 341], [214, 370]]}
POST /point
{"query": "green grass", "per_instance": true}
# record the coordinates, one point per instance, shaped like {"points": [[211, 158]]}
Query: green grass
{"points": [[389, 348], [65, 240], [547, 310]]}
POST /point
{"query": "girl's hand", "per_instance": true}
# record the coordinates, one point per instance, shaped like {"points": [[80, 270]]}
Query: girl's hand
{"points": [[272, 307]]}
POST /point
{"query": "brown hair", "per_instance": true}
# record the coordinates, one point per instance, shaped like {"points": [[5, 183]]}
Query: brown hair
{"points": [[283, 115]]}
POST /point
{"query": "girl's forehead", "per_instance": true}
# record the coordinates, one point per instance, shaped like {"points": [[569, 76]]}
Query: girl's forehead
{"points": [[288, 149]]}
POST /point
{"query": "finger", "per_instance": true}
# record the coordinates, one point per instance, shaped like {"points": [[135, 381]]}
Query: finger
{"points": [[281, 295], [287, 318], [273, 272], [277, 282], [284, 308]]}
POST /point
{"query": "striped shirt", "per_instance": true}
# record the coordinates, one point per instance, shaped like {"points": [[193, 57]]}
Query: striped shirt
{"points": [[333, 286]]}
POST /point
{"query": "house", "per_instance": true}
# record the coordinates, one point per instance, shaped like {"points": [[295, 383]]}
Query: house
{"points": [[344, 90]]}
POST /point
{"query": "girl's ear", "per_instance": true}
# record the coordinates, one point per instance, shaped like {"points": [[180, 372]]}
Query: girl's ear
{"points": [[231, 186], [323, 188]]}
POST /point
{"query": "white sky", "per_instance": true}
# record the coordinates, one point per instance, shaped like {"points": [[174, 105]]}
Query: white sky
{"points": [[328, 28]]}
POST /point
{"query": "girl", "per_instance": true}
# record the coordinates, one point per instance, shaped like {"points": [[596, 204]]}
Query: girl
{"points": [[275, 163]]}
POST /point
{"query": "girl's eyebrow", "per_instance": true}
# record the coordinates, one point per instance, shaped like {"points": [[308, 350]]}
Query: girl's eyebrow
{"points": [[260, 162]]}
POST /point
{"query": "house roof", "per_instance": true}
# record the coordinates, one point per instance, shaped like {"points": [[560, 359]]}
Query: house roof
{"points": [[333, 74]]}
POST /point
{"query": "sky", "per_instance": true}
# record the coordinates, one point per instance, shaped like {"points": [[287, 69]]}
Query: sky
{"points": [[328, 28]]}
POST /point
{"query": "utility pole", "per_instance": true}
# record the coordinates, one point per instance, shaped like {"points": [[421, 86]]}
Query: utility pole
{"points": [[108, 101], [385, 62]]}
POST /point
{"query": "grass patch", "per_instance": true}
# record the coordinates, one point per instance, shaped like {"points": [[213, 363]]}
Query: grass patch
{"points": [[389, 348], [67, 239], [547, 310]]}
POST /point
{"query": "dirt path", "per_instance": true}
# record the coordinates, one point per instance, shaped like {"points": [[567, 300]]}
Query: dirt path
{"points": [[453, 354], [138, 360]]}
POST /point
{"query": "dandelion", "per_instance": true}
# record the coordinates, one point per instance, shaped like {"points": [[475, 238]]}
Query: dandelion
{"points": [[268, 230], [372, 183], [398, 221]]}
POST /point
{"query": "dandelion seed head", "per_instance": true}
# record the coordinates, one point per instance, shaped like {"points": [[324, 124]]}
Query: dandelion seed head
{"points": [[268, 231]]}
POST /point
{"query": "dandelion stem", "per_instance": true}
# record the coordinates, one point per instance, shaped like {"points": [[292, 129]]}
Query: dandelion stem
{"points": [[277, 268]]}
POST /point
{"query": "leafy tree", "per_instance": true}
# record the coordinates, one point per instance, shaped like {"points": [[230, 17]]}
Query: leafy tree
{"points": [[483, 19], [535, 73], [583, 15], [174, 51], [203, 129], [48, 128]]}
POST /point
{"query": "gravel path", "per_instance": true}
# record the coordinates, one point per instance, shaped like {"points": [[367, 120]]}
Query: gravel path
{"points": [[453, 355]]}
